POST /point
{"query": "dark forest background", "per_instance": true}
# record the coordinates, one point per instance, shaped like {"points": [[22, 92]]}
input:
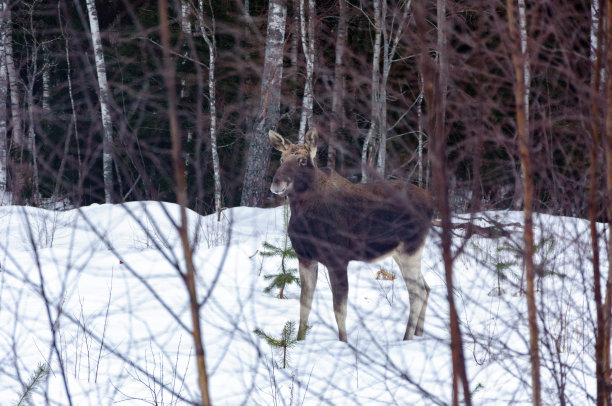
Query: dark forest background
{"points": [[482, 155]]}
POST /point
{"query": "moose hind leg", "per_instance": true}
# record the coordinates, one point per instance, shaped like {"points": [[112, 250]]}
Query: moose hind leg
{"points": [[339, 285], [418, 290], [308, 281]]}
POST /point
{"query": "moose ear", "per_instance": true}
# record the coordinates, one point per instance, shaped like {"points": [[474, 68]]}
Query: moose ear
{"points": [[277, 141], [310, 139]]}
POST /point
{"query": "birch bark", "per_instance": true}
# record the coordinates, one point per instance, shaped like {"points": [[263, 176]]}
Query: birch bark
{"points": [[337, 120], [308, 45], [385, 47], [209, 38], [16, 118], [258, 156], [105, 97], [3, 111], [366, 150]]}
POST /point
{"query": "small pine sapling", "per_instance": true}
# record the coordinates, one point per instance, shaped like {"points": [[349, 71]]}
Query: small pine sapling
{"points": [[287, 340], [35, 381], [286, 275]]}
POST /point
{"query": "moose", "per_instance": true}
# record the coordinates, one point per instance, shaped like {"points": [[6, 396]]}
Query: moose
{"points": [[334, 221]]}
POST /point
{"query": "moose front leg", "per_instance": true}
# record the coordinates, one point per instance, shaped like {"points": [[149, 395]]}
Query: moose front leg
{"points": [[308, 280]]}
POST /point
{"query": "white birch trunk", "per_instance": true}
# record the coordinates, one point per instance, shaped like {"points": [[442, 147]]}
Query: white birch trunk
{"points": [[210, 41], [308, 45], [16, 119], [32, 141], [187, 31], [337, 93], [107, 124], [390, 43], [46, 81], [518, 198], [3, 111], [526, 69], [420, 132], [366, 150]]}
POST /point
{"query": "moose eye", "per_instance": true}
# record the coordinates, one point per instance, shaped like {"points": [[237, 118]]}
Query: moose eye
{"points": [[302, 161]]}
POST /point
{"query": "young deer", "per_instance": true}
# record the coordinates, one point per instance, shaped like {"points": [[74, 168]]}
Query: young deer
{"points": [[334, 221]]}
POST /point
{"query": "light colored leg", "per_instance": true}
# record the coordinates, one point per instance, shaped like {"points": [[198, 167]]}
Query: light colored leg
{"points": [[339, 286], [308, 281], [418, 290]]}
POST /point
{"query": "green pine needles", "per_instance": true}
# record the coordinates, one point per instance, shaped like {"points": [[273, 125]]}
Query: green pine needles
{"points": [[287, 340], [287, 275], [36, 379]]}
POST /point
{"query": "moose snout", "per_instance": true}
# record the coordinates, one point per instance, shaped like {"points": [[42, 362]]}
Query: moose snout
{"points": [[278, 187]]}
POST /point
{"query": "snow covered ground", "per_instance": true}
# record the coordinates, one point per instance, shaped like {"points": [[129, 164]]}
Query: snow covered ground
{"points": [[99, 289]]}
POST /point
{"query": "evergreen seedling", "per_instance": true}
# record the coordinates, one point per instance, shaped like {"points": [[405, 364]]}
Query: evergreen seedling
{"points": [[286, 341], [286, 275], [35, 380]]}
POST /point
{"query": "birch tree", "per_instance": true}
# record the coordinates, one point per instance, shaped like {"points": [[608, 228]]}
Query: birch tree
{"points": [[258, 156], [3, 111], [16, 118], [386, 43], [185, 18], [337, 120], [307, 23], [105, 98], [367, 149], [208, 34]]}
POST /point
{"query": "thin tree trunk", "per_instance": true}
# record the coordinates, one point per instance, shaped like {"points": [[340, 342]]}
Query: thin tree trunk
{"points": [[433, 77], [258, 158], [366, 150], [390, 43], [185, 17], [520, 93], [440, 160], [31, 145], [60, 172], [181, 198], [596, 59], [337, 120], [308, 45], [607, 309], [16, 119], [3, 111], [211, 43], [421, 133], [46, 80], [105, 97], [293, 73]]}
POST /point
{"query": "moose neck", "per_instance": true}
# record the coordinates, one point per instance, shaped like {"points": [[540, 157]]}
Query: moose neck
{"points": [[305, 188]]}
